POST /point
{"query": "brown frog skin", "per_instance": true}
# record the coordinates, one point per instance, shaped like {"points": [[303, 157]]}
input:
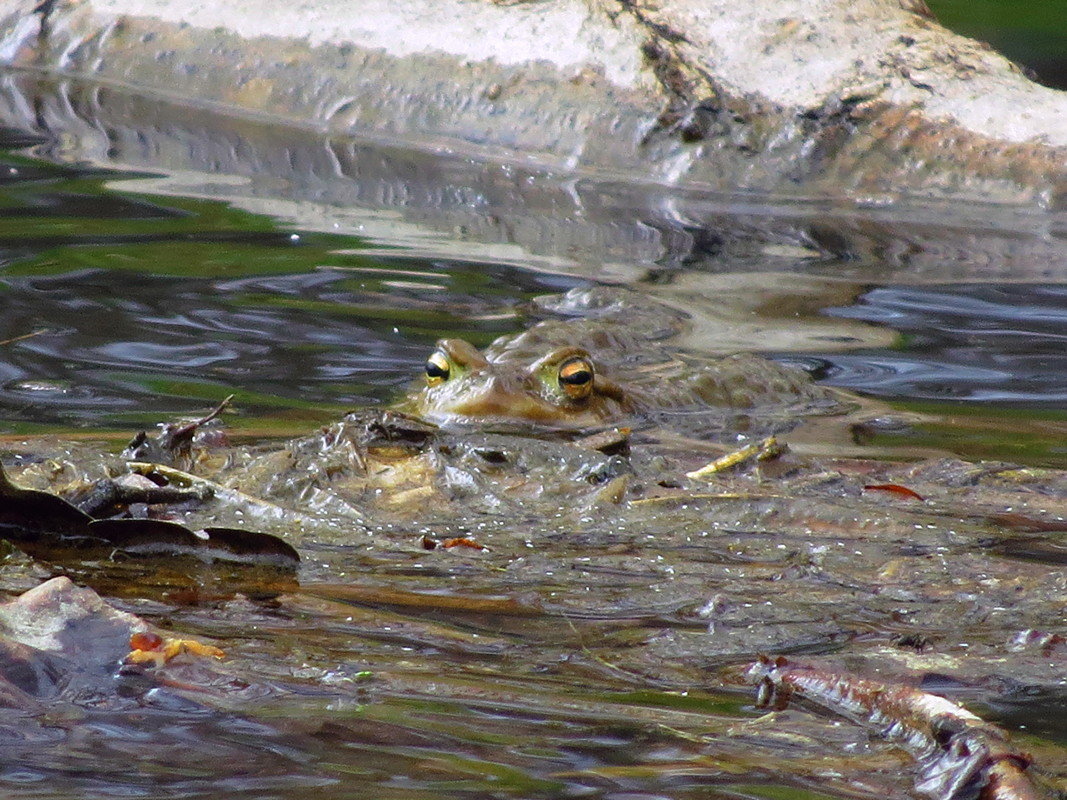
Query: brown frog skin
{"points": [[560, 390], [554, 376]]}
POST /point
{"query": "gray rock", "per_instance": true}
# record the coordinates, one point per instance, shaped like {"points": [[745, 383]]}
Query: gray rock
{"points": [[860, 99]]}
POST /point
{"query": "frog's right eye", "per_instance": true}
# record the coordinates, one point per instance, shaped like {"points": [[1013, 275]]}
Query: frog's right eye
{"points": [[576, 377], [437, 369]]}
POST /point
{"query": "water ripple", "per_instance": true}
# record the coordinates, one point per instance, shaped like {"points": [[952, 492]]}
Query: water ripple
{"points": [[986, 343]]}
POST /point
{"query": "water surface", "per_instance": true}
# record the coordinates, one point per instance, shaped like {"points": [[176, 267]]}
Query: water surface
{"points": [[123, 307], [154, 260]]}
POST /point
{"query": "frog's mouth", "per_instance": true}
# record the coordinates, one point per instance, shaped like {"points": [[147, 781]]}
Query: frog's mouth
{"points": [[507, 404], [496, 400]]}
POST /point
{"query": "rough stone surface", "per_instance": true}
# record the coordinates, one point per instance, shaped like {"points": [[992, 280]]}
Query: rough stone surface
{"points": [[59, 617], [863, 99], [802, 53]]}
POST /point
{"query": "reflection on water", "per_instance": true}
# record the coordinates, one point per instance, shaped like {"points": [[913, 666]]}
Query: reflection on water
{"points": [[117, 308], [991, 343]]}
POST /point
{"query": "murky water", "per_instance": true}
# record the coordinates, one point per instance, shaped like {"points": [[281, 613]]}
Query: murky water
{"points": [[117, 309], [152, 263], [121, 308]]}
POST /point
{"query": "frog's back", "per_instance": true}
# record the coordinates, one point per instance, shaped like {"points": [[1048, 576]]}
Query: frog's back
{"points": [[630, 336]]}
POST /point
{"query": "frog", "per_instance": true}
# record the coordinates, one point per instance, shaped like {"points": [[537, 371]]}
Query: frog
{"points": [[601, 357], [562, 388]]}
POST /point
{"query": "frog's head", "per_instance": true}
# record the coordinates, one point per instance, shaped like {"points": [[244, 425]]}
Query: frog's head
{"points": [[560, 389]]}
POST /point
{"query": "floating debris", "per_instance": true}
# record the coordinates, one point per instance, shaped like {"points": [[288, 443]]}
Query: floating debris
{"points": [[766, 450], [174, 440], [151, 648], [960, 755], [45, 524], [894, 488]]}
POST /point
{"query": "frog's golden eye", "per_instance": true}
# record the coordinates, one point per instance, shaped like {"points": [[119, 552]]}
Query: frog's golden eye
{"points": [[437, 369], [576, 377]]}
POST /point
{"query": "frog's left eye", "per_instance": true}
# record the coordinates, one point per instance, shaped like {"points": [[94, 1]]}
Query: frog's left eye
{"points": [[576, 377], [437, 369]]}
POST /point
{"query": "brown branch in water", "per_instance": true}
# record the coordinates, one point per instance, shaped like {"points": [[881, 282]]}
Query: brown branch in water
{"points": [[960, 755], [184, 432], [30, 335], [174, 440], [766, 450]]}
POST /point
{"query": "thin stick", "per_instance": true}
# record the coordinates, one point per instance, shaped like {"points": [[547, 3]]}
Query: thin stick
{"points": [[25, 336], [183, 432]]}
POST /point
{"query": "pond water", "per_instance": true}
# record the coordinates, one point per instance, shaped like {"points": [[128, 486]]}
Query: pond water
{"points": [[125, 302], [131, 309], [154, 260]]}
